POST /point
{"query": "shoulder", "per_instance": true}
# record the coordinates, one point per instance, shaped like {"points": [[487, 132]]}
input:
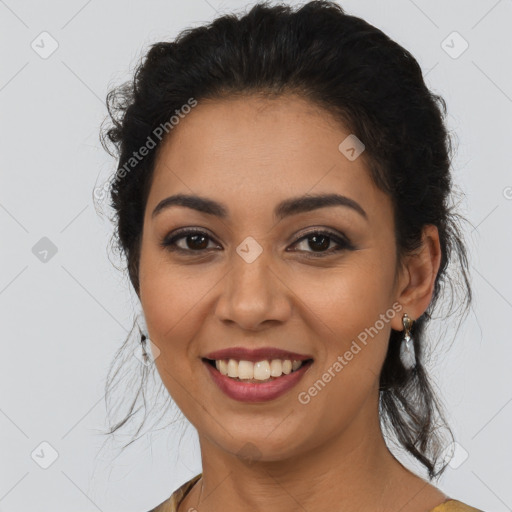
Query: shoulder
{"points": [[455, 506], [171, 504]]}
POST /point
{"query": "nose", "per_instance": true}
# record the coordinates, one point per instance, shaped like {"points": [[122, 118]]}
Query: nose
{"points": [[253, 295]]}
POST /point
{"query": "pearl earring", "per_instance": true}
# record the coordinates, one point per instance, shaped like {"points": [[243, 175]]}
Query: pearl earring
{"points": [[407, 353]]}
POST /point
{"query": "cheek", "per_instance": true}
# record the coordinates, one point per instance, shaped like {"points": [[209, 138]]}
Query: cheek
{"points": [[165, 298], [171, 319], [169, 295], [350, 310], [351, 297], [176, 300]]}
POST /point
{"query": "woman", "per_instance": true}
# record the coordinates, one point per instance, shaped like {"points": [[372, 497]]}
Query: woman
{"points": [[282, 200]]}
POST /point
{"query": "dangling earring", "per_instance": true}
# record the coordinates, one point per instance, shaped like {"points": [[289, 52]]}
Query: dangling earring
{"points": [[407, 353], [144, 353]]}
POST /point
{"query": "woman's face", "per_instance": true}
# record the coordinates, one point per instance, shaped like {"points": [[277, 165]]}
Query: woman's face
{"points": [[258, 281]]}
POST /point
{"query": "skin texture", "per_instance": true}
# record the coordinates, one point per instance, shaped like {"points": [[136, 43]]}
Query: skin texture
{"points": [[249, 154]]}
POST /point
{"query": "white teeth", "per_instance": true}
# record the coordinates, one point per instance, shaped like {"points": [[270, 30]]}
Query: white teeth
{"points": [[222, 366], [232, 368], [261, 370], [276, 368], [295, 365], [246, 370]]}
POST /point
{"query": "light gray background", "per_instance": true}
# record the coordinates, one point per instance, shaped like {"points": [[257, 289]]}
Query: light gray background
{"points": [[63, 320]]}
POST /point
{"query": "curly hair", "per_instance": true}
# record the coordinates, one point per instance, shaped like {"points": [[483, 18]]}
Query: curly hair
{"points": [[375, 88]]}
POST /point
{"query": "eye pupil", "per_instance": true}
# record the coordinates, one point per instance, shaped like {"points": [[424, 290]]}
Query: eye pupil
{"points": [[324, 245], [196, 237]]}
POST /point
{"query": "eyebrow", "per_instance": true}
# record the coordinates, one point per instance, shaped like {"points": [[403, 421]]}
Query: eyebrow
{"points": [[286, 208]]}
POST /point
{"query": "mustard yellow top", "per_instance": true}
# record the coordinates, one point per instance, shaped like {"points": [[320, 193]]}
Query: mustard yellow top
{"points": [[171, 504]]}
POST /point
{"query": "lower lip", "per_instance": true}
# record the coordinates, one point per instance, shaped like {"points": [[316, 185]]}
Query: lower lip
{"points": [[253, 391]]}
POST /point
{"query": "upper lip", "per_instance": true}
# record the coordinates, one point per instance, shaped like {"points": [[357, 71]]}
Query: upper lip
{"points": [[255, 354]]}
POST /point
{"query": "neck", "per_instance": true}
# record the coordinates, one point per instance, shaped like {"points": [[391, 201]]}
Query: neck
{"points": [[351, 470]]}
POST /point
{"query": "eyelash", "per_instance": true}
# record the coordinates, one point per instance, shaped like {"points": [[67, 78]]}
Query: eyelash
{"points": [[344, 244]]}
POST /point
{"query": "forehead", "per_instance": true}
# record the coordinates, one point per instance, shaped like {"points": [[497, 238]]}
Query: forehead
{"points": [[253, 151]]}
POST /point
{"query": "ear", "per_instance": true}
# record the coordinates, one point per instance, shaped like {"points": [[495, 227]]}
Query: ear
{"points": [[417, 277]]}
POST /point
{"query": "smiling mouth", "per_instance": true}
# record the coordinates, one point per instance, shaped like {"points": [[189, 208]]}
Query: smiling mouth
{"points": [[265, 370]]}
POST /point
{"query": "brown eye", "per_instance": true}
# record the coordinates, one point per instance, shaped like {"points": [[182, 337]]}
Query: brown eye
{"points": [[193, 241], [320, 241], [196, 242]]}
